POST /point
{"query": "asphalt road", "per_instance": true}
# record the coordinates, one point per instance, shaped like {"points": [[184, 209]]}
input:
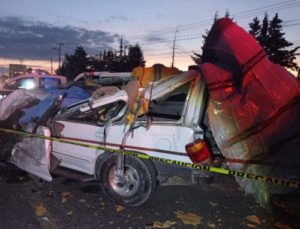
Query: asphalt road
{"points": [[64, 203]]}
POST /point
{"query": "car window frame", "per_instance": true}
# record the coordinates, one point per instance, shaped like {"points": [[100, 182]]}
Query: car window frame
{"points": [[68, 117], [167, 97], [41, 79], [142, 119]]}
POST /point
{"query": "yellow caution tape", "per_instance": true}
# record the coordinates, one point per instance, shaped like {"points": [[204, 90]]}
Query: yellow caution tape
{"points": [[267, 179]]}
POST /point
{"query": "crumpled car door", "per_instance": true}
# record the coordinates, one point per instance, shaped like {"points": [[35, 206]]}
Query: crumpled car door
{"points": [[34, 155]]}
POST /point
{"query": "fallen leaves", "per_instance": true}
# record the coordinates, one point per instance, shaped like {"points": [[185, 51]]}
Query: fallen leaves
{"points": [[211, 225], [40, 210], [166, 224], [186, 218], [70, 213], [82, 201], [213, 204], [50, 194], [189, 218], [282, 226], [65, 196], [119, 208], [253, 219]]}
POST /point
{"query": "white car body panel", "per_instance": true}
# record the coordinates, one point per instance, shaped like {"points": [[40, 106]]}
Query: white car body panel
{"points": [[165, 139], [77, 157], [153, 141], [161, 137]]}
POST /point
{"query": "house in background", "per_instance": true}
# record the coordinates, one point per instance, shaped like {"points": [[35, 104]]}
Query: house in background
{"points": [[16, 69]]}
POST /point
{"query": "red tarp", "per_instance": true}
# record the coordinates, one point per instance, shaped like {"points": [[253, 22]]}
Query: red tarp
{"points": [[254, 110]]}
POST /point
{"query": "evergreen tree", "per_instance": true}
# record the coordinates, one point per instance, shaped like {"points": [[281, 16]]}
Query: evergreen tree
{"points": [[262, 36], [135, 57], [271, 38], [197, 57], [121, 48], [74, 64], [96, 62], [255, 27], [277, 46], [227, 15], [109, 61], [113, 61]]}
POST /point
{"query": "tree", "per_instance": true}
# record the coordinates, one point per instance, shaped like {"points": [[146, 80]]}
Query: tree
{"points": [[271, 38], [278, 45], [135, 57], [197, 57], [113, 61], [255, 27], [121, 48], [109, 61], [119, 61], [96, 63], [74, 64], [262, 36]]}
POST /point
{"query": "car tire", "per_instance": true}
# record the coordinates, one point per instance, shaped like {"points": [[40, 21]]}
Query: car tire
{"points": [[135, 187]]}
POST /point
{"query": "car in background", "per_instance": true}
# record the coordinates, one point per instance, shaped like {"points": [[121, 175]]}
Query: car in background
{"points": [[32, 81], [118, 79]]}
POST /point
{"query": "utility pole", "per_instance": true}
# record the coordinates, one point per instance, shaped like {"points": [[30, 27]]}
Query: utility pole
{"points": [[59, 53], [174, 46], [51, 65]]}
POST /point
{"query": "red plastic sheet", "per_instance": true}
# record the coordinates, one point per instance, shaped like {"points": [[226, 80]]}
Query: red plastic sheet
{"points": [[254, 109]]}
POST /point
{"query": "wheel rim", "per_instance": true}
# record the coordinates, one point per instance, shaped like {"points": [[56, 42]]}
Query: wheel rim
{"points": [[125, 185]]}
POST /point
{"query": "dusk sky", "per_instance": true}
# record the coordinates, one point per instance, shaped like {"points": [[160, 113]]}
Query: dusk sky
{"points": [[30, 30]]}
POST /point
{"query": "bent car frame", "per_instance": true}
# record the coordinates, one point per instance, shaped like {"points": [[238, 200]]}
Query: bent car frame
{"points": [[174, 120]]}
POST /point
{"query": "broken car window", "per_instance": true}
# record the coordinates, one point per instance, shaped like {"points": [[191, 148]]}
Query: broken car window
{"points": [[170, 106], [27, 83], [99, 115]]}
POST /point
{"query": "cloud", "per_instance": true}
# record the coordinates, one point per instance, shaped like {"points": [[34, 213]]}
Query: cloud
{"points": [[27, 39], [119, 18], [153, 38]]}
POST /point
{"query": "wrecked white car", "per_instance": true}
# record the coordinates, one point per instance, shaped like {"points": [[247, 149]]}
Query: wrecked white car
{"points": [[236, 98], [174, 120]]}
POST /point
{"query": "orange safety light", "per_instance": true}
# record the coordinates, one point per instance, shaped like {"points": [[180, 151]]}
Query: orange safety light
{"points": [[198, 151]]}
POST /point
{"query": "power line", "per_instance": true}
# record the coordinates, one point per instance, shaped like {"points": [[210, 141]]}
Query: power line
{"points": [[241, 15], [186, 37], [202, 24]]}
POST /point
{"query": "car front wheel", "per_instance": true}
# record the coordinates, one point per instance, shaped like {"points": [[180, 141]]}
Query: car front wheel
{"points": [[133, 187]]}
